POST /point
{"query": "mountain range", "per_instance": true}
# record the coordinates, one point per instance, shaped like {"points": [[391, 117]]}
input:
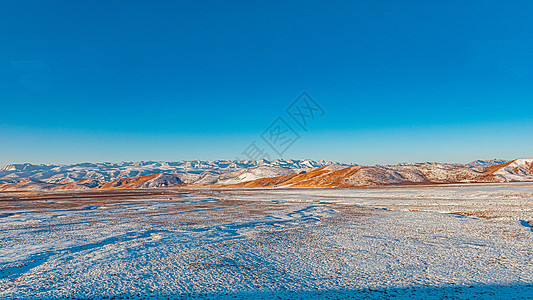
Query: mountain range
{"points": [[253, 174]]}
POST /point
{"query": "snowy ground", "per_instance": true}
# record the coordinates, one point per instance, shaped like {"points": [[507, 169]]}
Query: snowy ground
{"points": [[466, 242]]}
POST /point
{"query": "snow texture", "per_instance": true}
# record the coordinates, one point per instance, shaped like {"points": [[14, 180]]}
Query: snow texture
{"points": [[426, 242]]}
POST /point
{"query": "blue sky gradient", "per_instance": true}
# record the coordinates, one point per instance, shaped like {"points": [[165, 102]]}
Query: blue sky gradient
{"points": [[399, 81]]}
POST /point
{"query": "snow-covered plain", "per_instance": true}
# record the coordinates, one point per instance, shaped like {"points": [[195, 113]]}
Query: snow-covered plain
{"points": [[458, 241]]}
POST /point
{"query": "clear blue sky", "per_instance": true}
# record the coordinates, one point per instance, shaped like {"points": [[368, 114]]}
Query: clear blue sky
{"points": [[399, 81]]}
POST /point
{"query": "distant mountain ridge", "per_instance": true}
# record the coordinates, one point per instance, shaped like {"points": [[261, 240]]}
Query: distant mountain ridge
{"points": [[254, 174], [188, 171], [486, 163]]}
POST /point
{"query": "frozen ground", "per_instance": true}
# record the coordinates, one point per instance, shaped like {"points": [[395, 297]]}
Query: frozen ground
{"points": [[466, 242]]}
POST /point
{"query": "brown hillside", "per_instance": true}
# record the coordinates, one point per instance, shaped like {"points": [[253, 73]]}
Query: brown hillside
{"points": [[490, 170]]}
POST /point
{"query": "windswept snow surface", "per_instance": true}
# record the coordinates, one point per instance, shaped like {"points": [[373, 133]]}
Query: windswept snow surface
{"points": [[458, 241]]}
